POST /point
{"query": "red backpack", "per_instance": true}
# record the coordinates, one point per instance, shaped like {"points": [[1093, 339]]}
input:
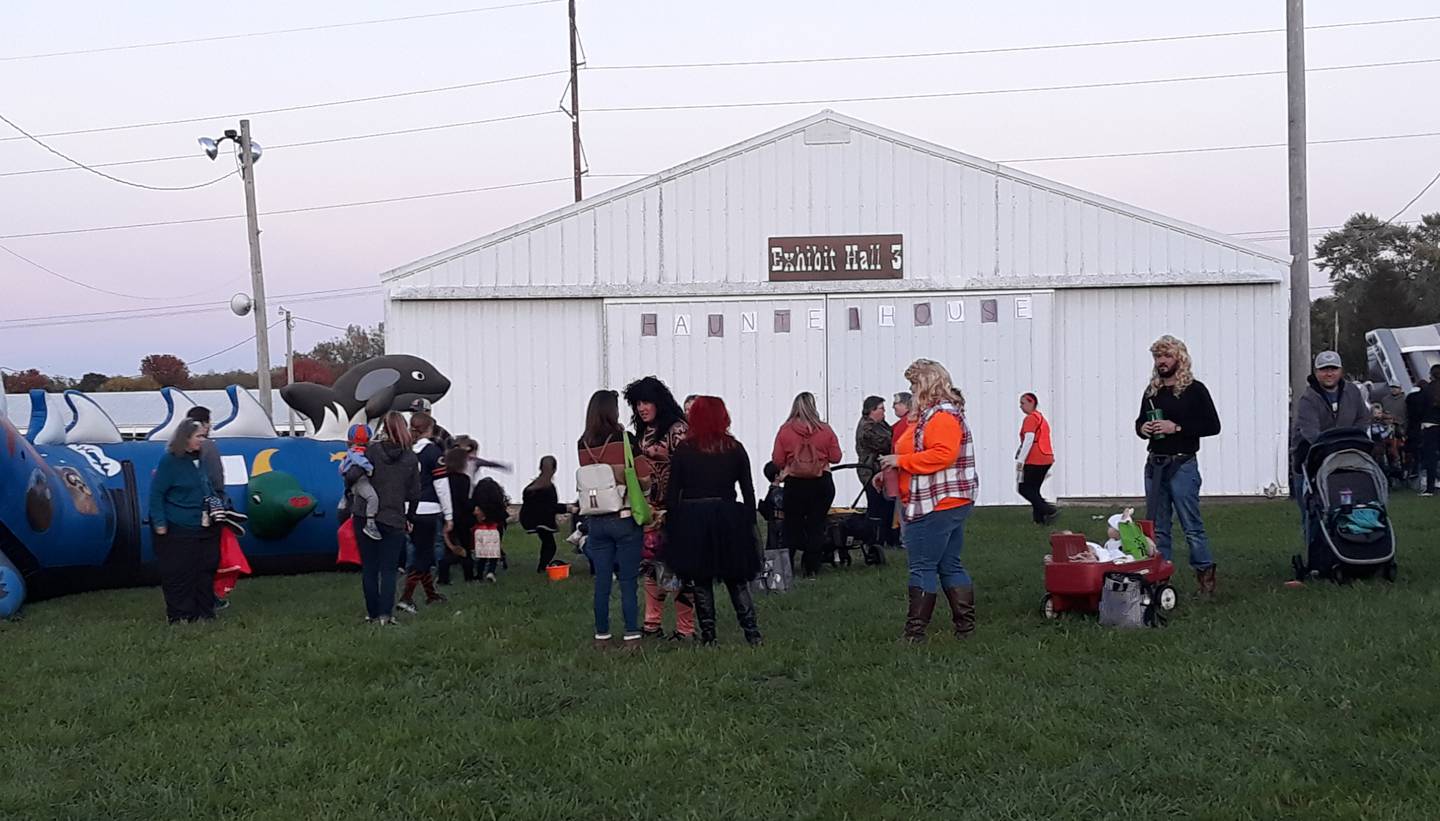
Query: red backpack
{"points": [[807, 463]]}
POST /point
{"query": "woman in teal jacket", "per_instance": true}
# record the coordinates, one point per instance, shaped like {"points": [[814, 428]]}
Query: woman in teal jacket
{"points": [[187, 543]]}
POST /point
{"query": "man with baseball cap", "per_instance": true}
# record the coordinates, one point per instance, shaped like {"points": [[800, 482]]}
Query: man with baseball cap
{"points": [[1329, 402]]}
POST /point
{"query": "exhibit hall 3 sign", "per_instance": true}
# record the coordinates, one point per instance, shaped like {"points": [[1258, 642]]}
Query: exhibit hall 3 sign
{"points": [[825, 259]]}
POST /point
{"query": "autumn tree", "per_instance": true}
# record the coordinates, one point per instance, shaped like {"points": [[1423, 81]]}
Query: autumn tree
{"points": [[166, 369], [118, 384], [343, 353], [91, 382], [25, 381]]}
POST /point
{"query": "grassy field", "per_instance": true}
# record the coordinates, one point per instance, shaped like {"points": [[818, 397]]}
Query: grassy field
{"points": [[1269, 703]]}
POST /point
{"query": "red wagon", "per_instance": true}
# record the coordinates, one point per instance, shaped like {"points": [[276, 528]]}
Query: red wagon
{"points": [[1074, 585]]}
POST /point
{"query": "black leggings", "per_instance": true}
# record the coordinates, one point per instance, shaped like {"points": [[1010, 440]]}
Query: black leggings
{"points": [[1030, 480], [547, 549], [807, 504]]}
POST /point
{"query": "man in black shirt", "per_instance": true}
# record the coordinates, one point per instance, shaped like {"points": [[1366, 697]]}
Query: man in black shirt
{"points": [[1176, 412]]}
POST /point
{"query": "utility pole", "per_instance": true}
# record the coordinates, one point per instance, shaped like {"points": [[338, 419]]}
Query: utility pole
{"points": [[289, 359], [1299, 206], [257, 274], [575, 99]]}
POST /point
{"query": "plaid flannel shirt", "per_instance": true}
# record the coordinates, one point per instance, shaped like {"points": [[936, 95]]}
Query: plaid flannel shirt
{"points": [[959, 481]]}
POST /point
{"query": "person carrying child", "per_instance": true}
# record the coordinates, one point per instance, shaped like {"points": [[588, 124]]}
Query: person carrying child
{"points": [[366, 503], [492, 511], [539, 505]]}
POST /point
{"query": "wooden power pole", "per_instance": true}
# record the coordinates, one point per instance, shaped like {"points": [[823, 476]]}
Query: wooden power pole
{"points": [[1299, 208], [575, 100], [257, 273]]}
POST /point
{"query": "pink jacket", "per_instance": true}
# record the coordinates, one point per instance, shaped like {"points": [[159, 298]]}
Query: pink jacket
{"points": [[787, 442]]}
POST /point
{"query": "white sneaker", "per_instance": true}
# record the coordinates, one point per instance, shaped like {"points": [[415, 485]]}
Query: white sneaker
{"points": [[405, 606], [489, 577]]}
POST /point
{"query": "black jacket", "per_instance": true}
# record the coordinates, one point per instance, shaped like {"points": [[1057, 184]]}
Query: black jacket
{"points": [[396, 480]]}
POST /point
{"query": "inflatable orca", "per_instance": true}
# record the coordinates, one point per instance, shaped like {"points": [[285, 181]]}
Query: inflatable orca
{"points": [[74, 497], [365, 393]]}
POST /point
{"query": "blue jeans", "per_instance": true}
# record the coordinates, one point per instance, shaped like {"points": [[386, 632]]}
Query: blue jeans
{"points": [[378, 562], [1173, 489], [615, 543], [932, 548]]}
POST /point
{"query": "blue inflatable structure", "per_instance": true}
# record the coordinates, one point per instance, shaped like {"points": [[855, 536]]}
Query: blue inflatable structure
{"points": [[74, 497]]}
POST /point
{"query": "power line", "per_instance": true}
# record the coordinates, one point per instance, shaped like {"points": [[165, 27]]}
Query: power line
{"points": [[170, 310], [318, 322], [304, 107], [96, 288], [223, 37], [994, 91], [513, 117], [67, 158], [1001, 50], [1212, 148], [249, 338], [308, 143], [306, 210]]}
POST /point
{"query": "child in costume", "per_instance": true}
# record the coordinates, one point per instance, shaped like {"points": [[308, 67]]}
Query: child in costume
{"points": [[365, 500]]}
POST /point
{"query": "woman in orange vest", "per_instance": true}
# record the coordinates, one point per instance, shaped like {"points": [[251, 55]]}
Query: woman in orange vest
{"points": [[1034, 459]]}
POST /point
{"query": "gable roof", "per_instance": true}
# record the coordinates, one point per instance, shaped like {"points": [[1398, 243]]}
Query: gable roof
{"points": [[832, 119]]}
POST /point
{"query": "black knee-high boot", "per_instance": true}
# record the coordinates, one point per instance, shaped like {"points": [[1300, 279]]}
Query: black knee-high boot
{"points": [[745, 611], [704, 598]]}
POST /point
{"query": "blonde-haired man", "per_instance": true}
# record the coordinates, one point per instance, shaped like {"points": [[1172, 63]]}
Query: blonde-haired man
{"points": [[1176, 412]]}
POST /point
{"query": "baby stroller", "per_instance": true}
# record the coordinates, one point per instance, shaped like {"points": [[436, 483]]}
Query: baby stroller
{"points": [[1345, 496], [847, 527]]}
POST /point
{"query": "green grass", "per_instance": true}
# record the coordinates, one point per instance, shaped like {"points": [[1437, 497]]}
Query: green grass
{"points": [[1270, 703]]}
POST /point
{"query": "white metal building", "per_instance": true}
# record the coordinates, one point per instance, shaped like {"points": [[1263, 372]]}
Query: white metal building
{"points": [[698, 275]]}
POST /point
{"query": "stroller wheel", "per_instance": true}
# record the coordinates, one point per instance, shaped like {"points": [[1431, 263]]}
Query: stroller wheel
{"points": [[1047, 607], [1339, 576], [1166, 597], [1390, 572]]}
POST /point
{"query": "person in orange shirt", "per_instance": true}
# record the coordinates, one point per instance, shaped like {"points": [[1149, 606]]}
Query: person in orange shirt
{"points": [[1034, 459], [938, 485]]}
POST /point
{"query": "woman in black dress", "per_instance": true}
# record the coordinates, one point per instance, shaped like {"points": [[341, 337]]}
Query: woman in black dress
{"points": [[710, 535]]}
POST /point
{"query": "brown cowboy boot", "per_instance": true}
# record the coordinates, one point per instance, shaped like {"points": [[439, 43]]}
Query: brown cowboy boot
{"points": [[922, 606], [1205, 581], [962, 610]]}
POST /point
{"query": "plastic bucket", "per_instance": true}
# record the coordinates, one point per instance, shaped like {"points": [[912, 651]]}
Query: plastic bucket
{"points": [[557, 572]]}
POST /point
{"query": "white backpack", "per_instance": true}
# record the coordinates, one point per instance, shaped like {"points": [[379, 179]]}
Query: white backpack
{"points": [[599, 493]]}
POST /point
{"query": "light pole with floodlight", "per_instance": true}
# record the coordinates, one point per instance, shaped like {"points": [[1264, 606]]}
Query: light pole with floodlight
{"points": [[249, 154]]}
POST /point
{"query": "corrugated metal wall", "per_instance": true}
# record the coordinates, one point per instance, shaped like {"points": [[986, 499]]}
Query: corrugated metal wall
{"points": [[965, 225], [755, 368], [1101, 364], [992, 362], [522, 372], [524, 369]]}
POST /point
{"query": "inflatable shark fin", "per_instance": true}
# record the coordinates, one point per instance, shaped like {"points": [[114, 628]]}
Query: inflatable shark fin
{"points": [[92, 425], [47, 420], [247, 419], [177, 404]]}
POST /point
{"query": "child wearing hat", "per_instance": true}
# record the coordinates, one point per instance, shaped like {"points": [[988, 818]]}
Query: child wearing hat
{"points": [[366, 502]]}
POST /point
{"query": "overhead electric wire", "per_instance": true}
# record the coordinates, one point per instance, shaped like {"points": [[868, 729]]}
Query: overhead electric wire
{"points": [[306, 143], [301, 29], [1214, 148], [999, 50], [52, 272], [169, 310], [308, 209], [993, 91], [208, 357], [318, 322], [67, 158], [283, 109]]}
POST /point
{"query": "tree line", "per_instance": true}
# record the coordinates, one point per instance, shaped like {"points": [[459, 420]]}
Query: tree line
{"points": [[1384, 275], [322, 364]]}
